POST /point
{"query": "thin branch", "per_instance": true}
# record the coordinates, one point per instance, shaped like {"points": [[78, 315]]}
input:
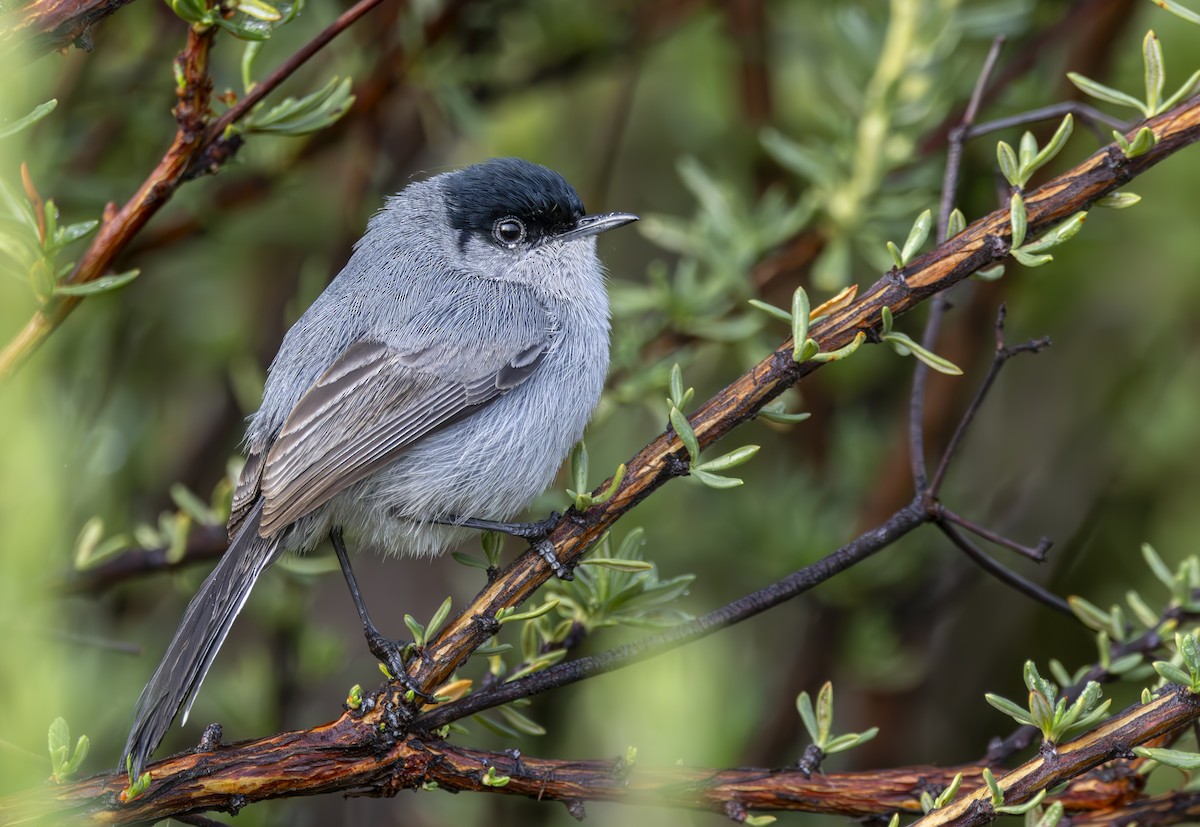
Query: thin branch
{"points": [[1036, 553], [562, 674], [1090, 115], [1001, 356], [933, 325], [1004, 574]]}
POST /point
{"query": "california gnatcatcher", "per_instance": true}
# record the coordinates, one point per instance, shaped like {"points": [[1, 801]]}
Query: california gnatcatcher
{"points": [[437, 382]]}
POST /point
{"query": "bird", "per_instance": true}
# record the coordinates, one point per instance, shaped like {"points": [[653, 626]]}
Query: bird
{"points": [[435, 386]]}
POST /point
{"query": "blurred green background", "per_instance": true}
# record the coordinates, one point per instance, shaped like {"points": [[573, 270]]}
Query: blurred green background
{"points": [[659, 109]]}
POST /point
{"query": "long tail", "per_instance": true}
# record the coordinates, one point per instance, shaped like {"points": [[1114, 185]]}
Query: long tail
{"points": [[201, 633]]}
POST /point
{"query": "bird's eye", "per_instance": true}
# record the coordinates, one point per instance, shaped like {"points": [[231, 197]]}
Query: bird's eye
{"points": [[509, 231]]}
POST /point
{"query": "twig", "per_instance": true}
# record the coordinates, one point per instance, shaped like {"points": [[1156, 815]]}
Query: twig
{"points": [[1005, 574], [562, 674], [1001, 356], [1090, 115], [1036, 553], [193, 141], [933, 325]]}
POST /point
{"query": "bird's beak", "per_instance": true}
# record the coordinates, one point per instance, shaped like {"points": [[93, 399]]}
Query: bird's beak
{"points": [[595, 224]]}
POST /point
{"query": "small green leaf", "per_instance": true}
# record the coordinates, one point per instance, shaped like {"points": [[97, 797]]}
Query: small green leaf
{"points": [[40, 111], [520, 723], [715, 480], [1179, 759], [808, 715], [1012, 710], [1031, 259], [1022, 809], [849, 740], [824, 713], [1027, 152], [1157, 566], [1172, 673], [947, 795], [731, 460], [687, 436], [1017, 219], [842, 352], [618, 564], [439, 617], [1009, 167], [1189, 88], [676, 391], [1179, 9], [415, 629], [545, 608], [1141, 609], [1105, 93], [771, 310], [1056, 143], [781, 417], [258, 10], [894, 252], [800, 311], [989, 273], [1155, 74], [491, 779], [1118, 200], [993, 787], [956, 224], [904, 345], [1142, 142], [103, 284], [886, 320], [809, 164], [917, 235], [763, 820]]}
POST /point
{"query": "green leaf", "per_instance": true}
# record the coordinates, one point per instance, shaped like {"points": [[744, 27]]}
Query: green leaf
{"points": [[40, 111], [687, 436], [781, 417], [771, 310], [1179, 759], [1062, 233], [1056, 143], [1172, 673], [993, 787], [824, 713], [415, 629], [989, 273], [904, 345], [1009, 168], [800, 311], [894, 252], [104, 284], [1012, 710], [618, 564], [731, 460], [1155, 74], [849, 740], [841, 352], [715, 480], [947, 795], [243, 29], [956, 224], [808, 715], [1118, 200], [259, 10], [1157, 566], [545, 608], [1031, 259], [439, 617], [1141, 609], [917, 235], [1179, 9], [1189, 88], [1106, 93], [1016, 219], [304, 115], [1027, 152], [1142, 142], [1022, 809]]}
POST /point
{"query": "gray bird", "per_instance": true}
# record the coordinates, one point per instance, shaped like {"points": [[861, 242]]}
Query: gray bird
{"points": [[438, 382]]}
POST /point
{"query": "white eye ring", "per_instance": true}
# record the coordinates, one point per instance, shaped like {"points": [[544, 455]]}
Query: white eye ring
{"points": [[509, 231]]}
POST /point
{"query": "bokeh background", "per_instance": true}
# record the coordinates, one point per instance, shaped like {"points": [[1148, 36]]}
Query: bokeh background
{"points": [[684, 112]]}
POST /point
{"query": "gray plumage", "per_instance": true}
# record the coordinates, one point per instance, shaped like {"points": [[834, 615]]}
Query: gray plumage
{"points": [[445, 372]]}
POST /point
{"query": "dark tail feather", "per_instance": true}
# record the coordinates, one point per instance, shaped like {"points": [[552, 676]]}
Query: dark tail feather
{"points": [[201, 633]]}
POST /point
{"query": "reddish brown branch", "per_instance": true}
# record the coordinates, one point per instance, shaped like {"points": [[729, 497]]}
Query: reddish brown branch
{"points": [[981, 245], [360, 754], [194, 148]]}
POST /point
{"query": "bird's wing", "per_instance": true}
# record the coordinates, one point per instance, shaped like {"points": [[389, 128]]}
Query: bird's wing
{"points": [[375, 400]]}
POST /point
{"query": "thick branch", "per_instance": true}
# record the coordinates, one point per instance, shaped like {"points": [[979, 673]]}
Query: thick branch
{"points": [[358, 754], [32, 29], [982, 244]]}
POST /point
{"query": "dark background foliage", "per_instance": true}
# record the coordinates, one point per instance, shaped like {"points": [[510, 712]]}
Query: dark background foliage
{"points": [[1091, 443]]}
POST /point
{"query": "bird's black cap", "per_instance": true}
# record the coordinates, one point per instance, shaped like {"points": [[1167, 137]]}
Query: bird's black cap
{"points": [[480, 195]]}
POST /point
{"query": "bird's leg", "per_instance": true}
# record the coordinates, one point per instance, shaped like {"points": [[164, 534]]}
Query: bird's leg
{"points": [[391, 653], [535, 534]]}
